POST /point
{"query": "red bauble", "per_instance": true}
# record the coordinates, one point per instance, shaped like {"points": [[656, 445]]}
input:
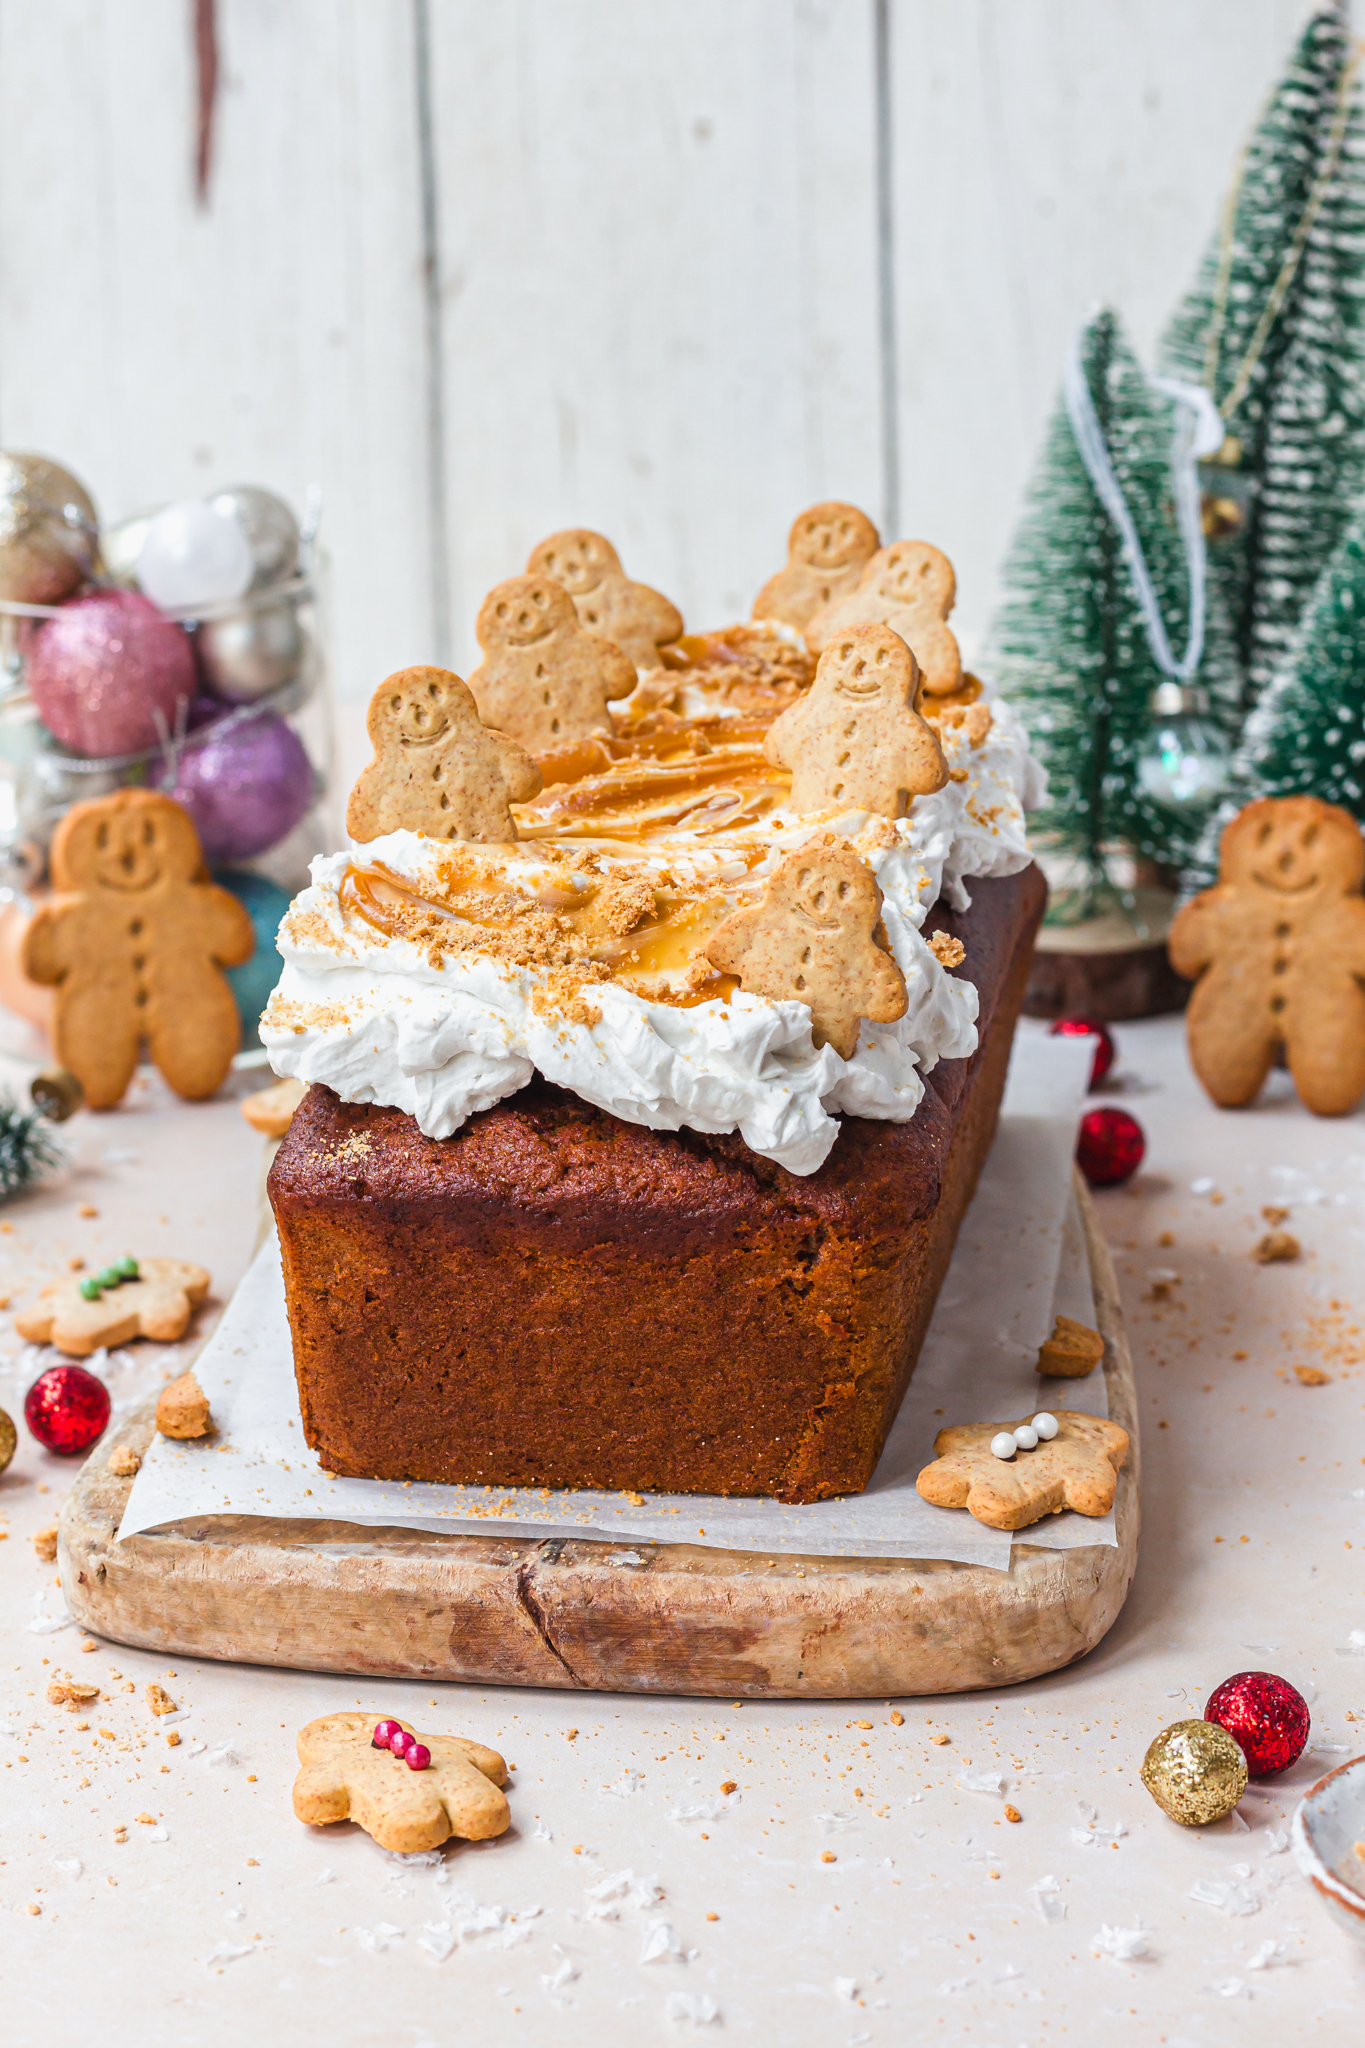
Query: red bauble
{"points": [[1089, 1027], [1110, 1147], [67, 1408], [1266, 1716]]}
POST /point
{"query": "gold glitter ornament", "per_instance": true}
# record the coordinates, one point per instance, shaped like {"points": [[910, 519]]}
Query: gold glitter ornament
{"points": [[1196, 1772], [8, 1439], [48, 531]]}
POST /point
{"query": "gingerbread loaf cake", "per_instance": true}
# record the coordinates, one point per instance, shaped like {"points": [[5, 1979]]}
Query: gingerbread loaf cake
{"points": [[645, 1108]]}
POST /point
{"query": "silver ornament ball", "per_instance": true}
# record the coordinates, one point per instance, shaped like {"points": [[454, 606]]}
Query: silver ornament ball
{"points": [[272, 531], [251, 652], [120, 546]]}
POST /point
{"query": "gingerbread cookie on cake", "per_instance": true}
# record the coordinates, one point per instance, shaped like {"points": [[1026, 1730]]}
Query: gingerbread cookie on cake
{"points": [[636, 1146]]}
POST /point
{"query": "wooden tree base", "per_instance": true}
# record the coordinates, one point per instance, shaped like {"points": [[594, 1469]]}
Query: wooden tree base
{"points": [[1113, 967]]}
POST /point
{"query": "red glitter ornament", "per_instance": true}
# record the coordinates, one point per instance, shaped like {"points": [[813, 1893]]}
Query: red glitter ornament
{"points": [[1266, 1716], [67, 1408], [1110, 1147], [1089, 1027]]}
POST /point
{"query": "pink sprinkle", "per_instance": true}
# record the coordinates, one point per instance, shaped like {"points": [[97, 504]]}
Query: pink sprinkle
{"points": [[384, 1732], [399, 1741], [418, 1757]]}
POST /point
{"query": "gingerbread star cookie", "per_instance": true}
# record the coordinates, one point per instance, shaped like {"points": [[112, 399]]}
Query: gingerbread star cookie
{"points": [[1077, 1468], [856, 740], [633, 617], [817, 937], [156, 1300], [437, 769], [911, 588], [133, 943], [1278, 950], [345, 1776], [544, 679], [827, 550]]}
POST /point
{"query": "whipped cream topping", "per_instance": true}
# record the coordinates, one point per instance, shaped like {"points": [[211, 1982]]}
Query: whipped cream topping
{"points": [[437, 980]]}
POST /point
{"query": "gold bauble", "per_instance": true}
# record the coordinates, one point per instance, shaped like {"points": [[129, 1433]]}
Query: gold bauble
{"points": [[1195, 1771], [48, 531], [8, 1439]]}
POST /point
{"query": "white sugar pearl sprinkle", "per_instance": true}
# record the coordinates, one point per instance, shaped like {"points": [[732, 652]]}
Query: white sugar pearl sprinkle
{"points": [[1046, 1426], [1026, 1438], [1003, 1444]]}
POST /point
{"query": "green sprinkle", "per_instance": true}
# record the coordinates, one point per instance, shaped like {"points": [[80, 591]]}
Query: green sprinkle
{"points": [[127, 1268], [108, 1276], [91, 1289]]}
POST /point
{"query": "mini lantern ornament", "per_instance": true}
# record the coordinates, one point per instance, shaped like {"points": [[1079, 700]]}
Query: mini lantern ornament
{"points": [[1089, 1027], [1110, 1148], [67, 1409], [1266, 1716], [1185, 760]]}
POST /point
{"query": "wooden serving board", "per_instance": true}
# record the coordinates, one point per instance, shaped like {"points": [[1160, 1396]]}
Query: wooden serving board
{"points": [[329, 1596]]}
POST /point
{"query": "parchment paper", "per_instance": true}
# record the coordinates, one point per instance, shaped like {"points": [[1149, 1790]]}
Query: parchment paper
{"points": [[1020, 1258]]}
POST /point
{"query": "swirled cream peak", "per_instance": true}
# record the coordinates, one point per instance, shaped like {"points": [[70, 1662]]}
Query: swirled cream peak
{"points": [[438, 978]]}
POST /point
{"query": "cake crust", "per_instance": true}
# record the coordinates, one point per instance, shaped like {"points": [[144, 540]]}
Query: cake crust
{"points": [[555, 1297]]}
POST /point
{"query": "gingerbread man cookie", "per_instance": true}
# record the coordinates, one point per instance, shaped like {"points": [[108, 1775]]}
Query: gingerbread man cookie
{"points": [[1076, 1468], [452, 1787], [133, 943], [817, 937], [544, 679], [437, 769], [827, 549], [911, 588], [157, 1303], [856, 739], [1278, 949], [633, 617]]}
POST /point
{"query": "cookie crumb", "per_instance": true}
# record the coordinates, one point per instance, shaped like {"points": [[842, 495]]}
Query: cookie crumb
{"points": [[1312, 1376], [569, 1734], [145, 1820], [1274, 1217], [637, 1500], [729, 1786], [897, 1718], [87, 1209], [1013, 1813], [173, 1738], [45, 1543], [716, 1916], [158, 1699], [1277, 1247], [33, 1909], [66, 1691], [124, 1462], [828, 1856], [940, 1739]]}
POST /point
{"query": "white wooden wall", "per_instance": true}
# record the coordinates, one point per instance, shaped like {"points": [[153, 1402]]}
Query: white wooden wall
{"points": [[663, 276]]}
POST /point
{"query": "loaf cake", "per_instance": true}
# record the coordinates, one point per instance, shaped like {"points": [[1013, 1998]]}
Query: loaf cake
{"points": [[641, 1127]]}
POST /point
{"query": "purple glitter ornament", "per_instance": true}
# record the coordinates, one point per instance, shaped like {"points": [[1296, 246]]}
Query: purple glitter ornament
{"points": [[106, 670], [245, 784]]}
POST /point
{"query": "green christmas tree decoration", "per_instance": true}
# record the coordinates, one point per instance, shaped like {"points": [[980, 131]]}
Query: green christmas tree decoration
{"points": [[27, 1149], [1274, 327], [1069, 645]]}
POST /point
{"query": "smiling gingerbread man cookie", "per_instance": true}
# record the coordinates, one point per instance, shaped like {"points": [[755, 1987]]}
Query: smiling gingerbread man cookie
{"points": [[133, 942], [1278, 950], [817, 938], [410, 1792], [544, 679], [437, 769], [856, 739], [633, 617], [911, 588], [827, 549]]}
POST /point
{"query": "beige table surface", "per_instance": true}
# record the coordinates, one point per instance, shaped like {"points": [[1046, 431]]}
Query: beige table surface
{"points": [[854, 1888]]}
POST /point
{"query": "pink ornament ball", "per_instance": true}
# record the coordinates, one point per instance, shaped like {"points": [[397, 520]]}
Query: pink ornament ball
{"points": [[1110, 1147], [67, 1408], [1266, 1715], [246, 784], [1089, 1027], [108, 675]]}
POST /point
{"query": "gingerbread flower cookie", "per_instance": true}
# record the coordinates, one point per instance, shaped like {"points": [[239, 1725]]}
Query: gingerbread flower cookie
{"points": [[410, 1792], [817, 938], [437, 769], [633, 617], [544, 679], [827, 549], [1278, 950], [1077, 1466], [911, 588], [133, 942], [856, 740], [135, 1298]]}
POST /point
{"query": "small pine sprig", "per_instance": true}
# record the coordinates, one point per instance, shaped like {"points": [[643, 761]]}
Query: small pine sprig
{"points": [[27, 1148]]}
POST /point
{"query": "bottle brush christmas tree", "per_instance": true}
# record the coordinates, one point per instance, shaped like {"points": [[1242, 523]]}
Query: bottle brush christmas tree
{"points": [[1274, 328], [1071, 644]]}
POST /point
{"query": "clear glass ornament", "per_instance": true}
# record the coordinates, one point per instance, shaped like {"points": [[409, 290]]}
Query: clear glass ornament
{"points": [[1185, 760]]}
